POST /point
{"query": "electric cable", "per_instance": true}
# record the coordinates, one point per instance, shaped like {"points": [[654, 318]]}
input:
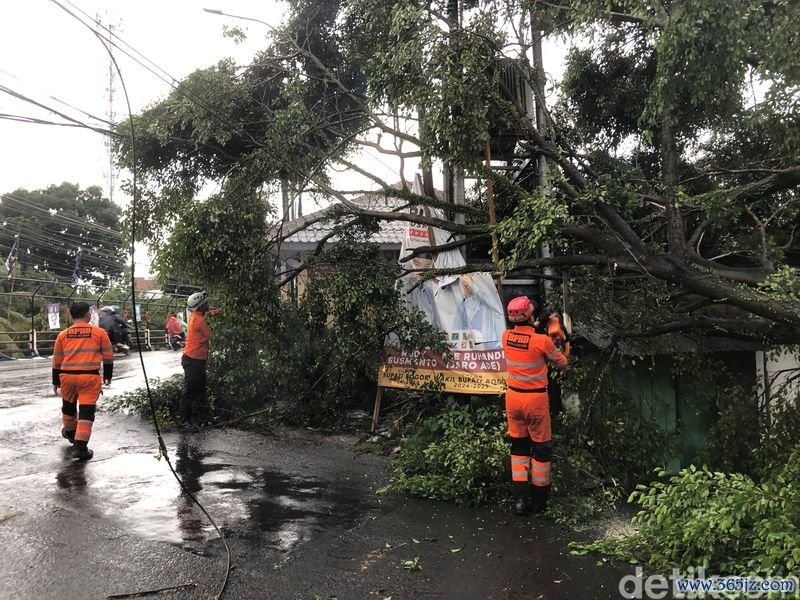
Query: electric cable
{"points": [[60, 101], [67, 217], [20, 96], [161, 443]]}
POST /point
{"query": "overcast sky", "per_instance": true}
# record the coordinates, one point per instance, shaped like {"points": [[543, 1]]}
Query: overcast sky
{"points": [[45, 52]]}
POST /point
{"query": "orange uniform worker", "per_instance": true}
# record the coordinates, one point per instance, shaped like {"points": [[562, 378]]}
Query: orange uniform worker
{"points": [[193, 405], [528, 406], [77, 356]]}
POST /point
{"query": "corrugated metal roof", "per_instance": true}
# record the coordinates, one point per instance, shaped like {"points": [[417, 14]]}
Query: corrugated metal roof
{"points": [[390, 234]]}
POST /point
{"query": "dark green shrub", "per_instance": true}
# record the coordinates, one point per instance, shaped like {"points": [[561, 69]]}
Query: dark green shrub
{"points": [[166, 398], [724, 521], [459, 455]]}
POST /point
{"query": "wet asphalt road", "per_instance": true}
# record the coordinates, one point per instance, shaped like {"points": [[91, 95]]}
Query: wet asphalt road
{"points": [[299, 511]]}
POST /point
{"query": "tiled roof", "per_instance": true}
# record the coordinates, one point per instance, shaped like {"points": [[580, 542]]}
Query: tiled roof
{"points": [[390, 234]]}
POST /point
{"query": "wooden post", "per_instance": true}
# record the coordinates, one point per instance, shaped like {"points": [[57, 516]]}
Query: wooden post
{"points": [[376, 412]]}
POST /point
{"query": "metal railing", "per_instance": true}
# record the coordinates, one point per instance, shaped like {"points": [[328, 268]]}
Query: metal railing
{"points": [[40, 343]]}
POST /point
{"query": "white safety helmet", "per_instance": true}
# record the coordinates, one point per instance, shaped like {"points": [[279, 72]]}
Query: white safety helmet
{"points": [[109, 309], [196, 300]]}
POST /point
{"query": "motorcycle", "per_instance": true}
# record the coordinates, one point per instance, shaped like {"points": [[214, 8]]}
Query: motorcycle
{"points": [[176, 342]]}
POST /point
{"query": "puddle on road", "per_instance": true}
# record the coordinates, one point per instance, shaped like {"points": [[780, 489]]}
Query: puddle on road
{"points": [[270, 509]]}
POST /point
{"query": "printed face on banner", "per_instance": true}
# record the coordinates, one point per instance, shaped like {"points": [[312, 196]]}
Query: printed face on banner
{"points": [[466, 307], [94, 315], [54, 316]]}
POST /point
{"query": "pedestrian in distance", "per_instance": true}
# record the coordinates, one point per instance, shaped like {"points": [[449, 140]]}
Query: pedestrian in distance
{"points": [[193, 406], [78, 354], [528, 406]]}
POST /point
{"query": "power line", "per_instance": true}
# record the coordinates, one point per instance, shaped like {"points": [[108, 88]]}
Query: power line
{"points": [[74, 220], [35, 121], [20, 96], [67, 104]]}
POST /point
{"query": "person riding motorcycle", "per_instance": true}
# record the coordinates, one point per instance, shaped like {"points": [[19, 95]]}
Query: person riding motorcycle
{"points": [[116, 328]]}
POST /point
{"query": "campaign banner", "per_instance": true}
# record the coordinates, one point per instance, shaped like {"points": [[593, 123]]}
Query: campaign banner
{"points": [[466, 372], [466, 307], [54, 316], [94, 315]]}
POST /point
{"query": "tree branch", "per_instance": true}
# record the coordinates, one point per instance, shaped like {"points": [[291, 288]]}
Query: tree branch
{"points": [[552, 261], [383, 150], [443, 247], [731, 328], [776, 182]]}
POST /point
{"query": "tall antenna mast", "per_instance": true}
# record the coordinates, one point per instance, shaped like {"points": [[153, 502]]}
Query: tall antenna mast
{"points": [[110, 113]]}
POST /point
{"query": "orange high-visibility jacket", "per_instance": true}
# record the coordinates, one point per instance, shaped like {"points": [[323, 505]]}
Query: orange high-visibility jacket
{"points": [[527, 353], [197, 336], [174, 326], [80, 349]]}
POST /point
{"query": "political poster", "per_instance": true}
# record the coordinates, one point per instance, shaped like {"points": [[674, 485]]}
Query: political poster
{"points": [[466, 372], [54, 316], [94, 315], [466, 307]]}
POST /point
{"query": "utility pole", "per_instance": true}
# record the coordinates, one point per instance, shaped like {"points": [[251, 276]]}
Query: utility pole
{"points": [[454, 174], [540, 119]]}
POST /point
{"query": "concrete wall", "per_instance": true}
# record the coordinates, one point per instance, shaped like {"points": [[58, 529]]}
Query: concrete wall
{"points": [[778, 376]]}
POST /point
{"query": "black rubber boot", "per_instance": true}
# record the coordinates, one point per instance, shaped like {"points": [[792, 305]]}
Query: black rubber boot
{"points": [[82, 452], [540, 496], [68, 435], [521, 493]]}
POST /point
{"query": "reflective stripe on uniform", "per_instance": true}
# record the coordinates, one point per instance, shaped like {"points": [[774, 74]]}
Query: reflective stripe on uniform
{"points": [[540, 473], [77, 351], [83, 431], [527, 377], [525, 365], [519, 467]]}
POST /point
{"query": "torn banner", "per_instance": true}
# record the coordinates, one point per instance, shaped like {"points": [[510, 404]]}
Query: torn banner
{"points": [[466, 307]]}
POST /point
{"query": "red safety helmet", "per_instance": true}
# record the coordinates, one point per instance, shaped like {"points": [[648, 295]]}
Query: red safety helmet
{"points": [[520, 309]]}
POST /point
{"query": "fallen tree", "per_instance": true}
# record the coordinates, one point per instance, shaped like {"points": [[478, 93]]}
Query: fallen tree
{"points": [[667, 177]]}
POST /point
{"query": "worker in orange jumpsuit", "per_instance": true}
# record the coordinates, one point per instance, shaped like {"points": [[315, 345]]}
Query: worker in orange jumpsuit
{"points": [[193, 406], [77, 356], [551, 323], [528, 407]]}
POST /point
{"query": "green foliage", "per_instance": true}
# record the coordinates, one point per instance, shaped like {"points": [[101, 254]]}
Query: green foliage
{"points": [[239, 374], [333, 342], [534, 220], [783, 284], [741, 515], [724, 521], [610, 427], [166, 396], [460, 455]]}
